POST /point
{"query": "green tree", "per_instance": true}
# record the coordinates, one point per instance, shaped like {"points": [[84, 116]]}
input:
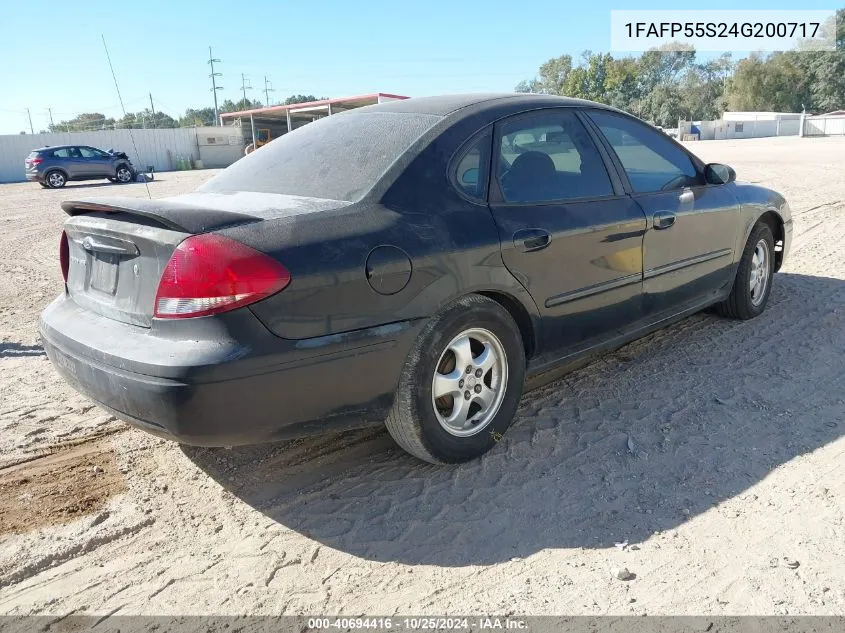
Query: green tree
{"points": [[551, 78], [772, 83], [702, 89], [197, 117], [85, 122], [302, 99], [238, 106], [146, 119]]}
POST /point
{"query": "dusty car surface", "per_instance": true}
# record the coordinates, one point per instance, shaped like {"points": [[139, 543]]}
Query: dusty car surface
{"points": [[53, 167], [417, 264]]}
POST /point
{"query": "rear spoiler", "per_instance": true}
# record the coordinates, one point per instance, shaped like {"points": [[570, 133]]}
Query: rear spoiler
{"points": [[173, 215]]}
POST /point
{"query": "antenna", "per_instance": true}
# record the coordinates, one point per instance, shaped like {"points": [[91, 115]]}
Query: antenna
{"points": [[214, 86], [122, 107], [267, 90]]}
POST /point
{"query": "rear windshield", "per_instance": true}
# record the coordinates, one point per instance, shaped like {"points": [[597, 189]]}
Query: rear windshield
{"points": [[339, 157]]}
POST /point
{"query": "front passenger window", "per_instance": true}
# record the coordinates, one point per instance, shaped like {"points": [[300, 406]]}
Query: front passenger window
{"points": [[651, 161]]}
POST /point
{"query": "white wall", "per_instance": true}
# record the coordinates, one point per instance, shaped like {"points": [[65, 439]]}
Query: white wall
{"points": [[159, 148], [821, 126], [759, 116], [723, 129], [220, 146]]}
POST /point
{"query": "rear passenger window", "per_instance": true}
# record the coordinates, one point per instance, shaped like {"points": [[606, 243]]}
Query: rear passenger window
{"points": [[90, 152], [61, 153], [472, 167], [651, 161], [548, 156]]}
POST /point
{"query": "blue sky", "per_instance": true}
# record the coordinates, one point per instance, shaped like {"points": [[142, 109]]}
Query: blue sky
{"points": [[327, 48]]}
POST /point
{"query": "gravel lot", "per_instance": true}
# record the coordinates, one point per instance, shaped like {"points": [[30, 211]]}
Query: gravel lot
{"points": [[731, 502]]}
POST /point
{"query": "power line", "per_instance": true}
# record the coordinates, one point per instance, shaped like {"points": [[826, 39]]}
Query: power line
{"points": [[214, 86], [122, 107]]}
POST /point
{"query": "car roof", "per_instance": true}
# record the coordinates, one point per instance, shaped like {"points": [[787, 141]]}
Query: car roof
{"points": [[444, 105], [46, 147]]}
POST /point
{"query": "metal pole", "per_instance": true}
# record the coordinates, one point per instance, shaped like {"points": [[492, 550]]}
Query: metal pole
{"points": [[214, 86], [267, 91], [244, 88], [153, 108], [32, 131], [52, 125], [252, 125]]}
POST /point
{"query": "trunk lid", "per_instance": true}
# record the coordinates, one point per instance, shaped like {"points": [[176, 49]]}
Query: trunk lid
{"points": [[116, 261], [119, 247]]}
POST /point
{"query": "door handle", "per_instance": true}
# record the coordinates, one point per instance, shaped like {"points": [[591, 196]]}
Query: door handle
{"points": [[686, 196], [529, 240], [663, 220]]}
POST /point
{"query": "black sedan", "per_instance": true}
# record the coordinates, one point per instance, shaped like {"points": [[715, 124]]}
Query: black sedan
{"points": [[417, 264]]}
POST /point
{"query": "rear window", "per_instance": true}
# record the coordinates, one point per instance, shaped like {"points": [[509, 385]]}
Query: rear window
{"points": [[339, 157]]}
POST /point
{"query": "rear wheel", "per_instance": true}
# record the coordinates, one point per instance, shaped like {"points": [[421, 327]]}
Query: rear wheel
{"points": [[461, 383], [124, 174], [753, 282], [55, 179]]}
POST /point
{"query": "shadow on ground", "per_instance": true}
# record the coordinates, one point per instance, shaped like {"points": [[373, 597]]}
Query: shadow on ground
{"points": [[15, 350], [640, 440]]}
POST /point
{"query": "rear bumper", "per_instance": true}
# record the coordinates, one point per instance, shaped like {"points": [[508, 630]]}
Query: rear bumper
{"points": [[226, 380]]}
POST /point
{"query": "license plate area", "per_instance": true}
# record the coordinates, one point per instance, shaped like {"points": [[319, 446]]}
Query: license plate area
{"points": [[104, 267]]}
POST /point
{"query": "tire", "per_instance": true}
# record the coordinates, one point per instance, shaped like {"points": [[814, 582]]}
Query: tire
{"points": [[112, 179], [44, 184], [420, 424], [124, 175], [55, 179], [745, 301]]}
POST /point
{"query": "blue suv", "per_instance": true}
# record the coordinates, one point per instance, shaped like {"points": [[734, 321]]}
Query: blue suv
{"points": [[52, 167]]}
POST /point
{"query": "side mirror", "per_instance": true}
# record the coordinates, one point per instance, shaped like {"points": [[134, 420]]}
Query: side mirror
{"points": [[718, 174], [470, 176]]}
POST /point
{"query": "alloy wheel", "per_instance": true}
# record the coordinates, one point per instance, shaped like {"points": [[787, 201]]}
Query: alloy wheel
{"points": [[469, 383]]}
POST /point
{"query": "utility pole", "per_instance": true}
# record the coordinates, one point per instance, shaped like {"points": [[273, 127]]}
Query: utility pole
{"points": [[153, 108], [244, 87], [32, 131], [267, 91], [214, 86], [50, 112]]}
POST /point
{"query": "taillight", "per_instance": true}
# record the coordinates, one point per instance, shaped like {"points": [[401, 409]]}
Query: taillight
{"points": [[209, 274], [64, 255], [35, 161]]}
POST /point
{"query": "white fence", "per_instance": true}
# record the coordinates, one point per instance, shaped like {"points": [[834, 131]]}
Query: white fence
{"points": [[824, 126], [159, 148], [750, 128]]}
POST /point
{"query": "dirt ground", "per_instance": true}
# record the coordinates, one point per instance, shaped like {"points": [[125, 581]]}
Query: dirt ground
{"points": [[707, 459]]}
